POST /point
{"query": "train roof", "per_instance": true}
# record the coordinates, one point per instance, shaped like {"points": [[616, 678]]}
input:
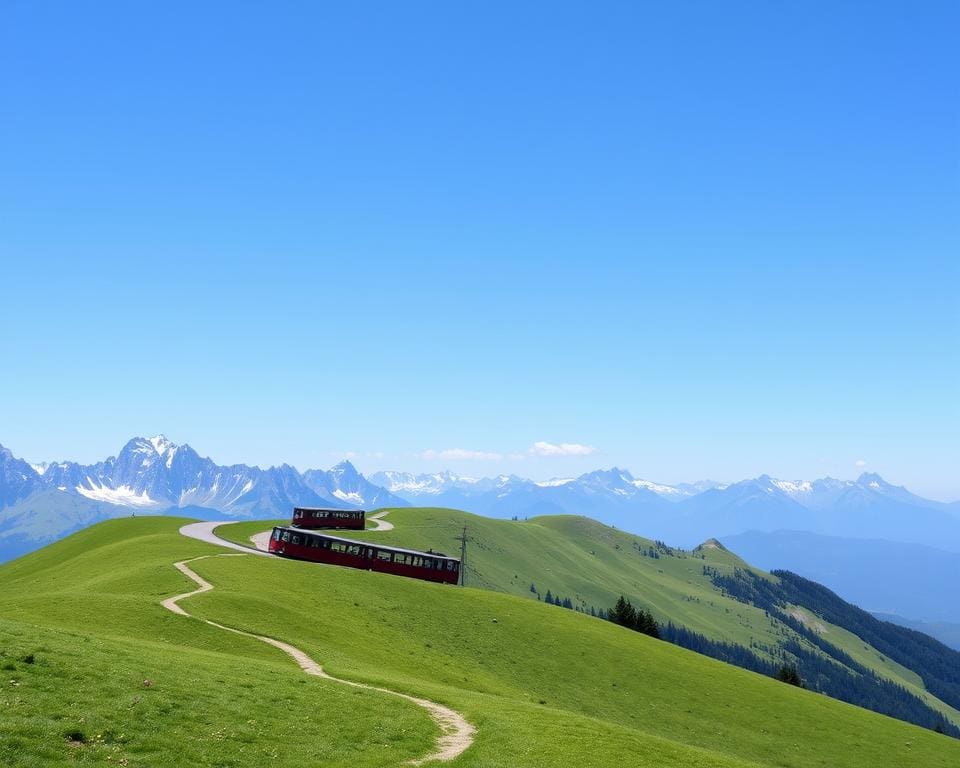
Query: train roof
{"points": [[326, 509], [367, 543]]}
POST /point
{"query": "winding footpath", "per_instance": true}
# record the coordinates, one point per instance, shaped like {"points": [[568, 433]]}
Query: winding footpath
{"points": [[456, 734]]}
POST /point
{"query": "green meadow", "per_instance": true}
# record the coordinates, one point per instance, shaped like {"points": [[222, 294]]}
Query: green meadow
{"points": [[83, 634], [592, 564]]}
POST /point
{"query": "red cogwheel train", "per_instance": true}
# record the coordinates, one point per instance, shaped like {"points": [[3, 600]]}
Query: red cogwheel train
{"points": [[303, 541]]}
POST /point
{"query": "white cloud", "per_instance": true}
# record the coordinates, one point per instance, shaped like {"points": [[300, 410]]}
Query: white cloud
{"points": [[542, 448], [461, 454], [860, 463]]}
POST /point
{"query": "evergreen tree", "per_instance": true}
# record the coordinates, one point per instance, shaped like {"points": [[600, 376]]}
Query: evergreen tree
{"points": [[787, 673], [619, 612]]}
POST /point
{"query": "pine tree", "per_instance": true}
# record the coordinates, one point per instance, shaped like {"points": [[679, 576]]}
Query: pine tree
{"points": [[620, 612], [789, 674]]}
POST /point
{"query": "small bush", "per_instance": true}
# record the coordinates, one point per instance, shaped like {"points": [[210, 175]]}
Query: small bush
{"points": [[76, 736], [29, 659]]}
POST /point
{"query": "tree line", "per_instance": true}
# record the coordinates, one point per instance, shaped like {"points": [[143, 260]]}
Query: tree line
{"points": [[832, 671]]}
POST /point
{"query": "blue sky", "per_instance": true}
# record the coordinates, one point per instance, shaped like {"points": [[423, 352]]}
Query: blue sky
{"points": [[694, 239]]}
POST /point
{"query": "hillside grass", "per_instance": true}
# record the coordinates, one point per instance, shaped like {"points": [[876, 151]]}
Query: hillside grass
{"points": [[544, 686], [68, 698], [592, 564], [869, 656]]}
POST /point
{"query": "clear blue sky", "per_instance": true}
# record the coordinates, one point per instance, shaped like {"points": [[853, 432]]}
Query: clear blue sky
{"points": [[704, 239]]}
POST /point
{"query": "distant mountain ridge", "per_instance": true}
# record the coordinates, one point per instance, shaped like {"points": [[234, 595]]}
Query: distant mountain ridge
{"points": [[39, 502], [686, 514], [890, 578]]}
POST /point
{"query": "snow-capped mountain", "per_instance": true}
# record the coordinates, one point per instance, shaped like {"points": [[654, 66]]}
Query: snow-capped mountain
{"points": [[688, 513], [409, 485], [42, 501], [867, 507], [609, 495], [344, 485], [417, 487]]}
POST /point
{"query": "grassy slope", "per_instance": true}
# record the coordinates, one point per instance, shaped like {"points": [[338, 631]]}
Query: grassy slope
{"points": [[545, 687], [592, 564], [574, 557], [216, 699], [870, 657]]}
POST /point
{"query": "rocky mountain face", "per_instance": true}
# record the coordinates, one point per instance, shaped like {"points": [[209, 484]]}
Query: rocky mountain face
{"points": [[18, 480]]}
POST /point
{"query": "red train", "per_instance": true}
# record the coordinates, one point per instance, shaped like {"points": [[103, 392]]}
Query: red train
{"points": [[321, 548], [316, 517]]}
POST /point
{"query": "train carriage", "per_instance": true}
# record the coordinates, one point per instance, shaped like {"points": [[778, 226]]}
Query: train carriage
{"points": [[322, 548], [318, 517]]}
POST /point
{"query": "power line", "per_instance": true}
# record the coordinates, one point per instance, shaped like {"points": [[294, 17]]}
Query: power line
{"points": [[463, 539]]}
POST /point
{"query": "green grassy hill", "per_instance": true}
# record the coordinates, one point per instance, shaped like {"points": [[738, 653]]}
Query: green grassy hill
{"points": [[593, 564], [82, 631]]}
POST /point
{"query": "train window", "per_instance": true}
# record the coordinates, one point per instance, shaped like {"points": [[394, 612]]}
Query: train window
{"points": [[353, 549], [336, 546], [286, 536], [449, 565], [382, 555], [296, 540]]}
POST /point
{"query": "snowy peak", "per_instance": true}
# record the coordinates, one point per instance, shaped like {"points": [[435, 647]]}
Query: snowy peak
{"points": [[346, 471], [455, 488], [556, 482], [666, 491], [794, 488], [874, 481], [161, 444], [155, 474], [432, 484]]}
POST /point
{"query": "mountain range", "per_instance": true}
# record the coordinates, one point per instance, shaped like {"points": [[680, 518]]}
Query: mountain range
{"points": [[41, 502], [687, 514]]}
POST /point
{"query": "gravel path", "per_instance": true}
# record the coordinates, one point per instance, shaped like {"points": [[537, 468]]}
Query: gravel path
{"points": [[456, 734], [382, 525], [204, 532]]}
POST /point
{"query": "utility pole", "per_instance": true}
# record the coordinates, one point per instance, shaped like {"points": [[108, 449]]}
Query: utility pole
{"points": [[463, 539]]}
